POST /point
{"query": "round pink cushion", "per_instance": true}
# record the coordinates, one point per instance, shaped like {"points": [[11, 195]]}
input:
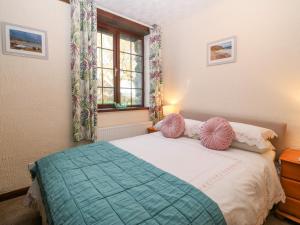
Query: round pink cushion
{"points": [[216, 133], [173, 126]]}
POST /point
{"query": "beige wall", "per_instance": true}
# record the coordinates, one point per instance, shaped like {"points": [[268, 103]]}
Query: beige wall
{"points": [[264, 83], [35, 98], [109, 119]]}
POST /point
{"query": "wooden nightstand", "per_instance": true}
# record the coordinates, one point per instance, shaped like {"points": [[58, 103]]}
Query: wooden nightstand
{"points": [[151, 130], [290, 180]]}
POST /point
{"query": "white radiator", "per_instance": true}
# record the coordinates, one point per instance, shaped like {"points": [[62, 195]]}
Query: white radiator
{"points": [[122, 131]]}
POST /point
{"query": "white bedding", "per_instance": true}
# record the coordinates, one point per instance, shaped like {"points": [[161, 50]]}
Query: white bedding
{"points": [[244, 184]]}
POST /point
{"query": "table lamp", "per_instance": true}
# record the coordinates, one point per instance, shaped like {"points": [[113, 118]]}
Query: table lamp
{"points": [[169, 109]]}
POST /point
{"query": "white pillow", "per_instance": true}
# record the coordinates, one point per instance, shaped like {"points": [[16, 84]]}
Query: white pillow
{"points": [[244, 146], [192, 128], [158, 125], [253, 135], [247, 137]]}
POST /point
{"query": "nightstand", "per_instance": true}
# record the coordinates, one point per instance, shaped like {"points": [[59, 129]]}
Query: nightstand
{"points": [[290, 180], [151, 130]]}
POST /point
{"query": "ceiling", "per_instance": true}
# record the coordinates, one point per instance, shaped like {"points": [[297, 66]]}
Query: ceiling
{"points": [[150, 11]]}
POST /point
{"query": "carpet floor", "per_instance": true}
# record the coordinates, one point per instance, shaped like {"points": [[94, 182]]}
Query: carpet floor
{"points": [[13, 212]]}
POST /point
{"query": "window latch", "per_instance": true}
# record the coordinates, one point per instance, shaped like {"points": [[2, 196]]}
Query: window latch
{"points": [[116, 71]]}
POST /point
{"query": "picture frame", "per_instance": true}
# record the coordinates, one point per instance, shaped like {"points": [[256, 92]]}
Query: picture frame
{"points": [[24, 41], [221, 51]]}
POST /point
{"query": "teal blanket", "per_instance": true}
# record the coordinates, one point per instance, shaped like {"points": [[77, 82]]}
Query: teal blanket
{"points": [[100, 184]]}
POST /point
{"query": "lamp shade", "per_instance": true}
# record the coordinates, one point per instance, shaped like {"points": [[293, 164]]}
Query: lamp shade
{"points": [[168, 109]]}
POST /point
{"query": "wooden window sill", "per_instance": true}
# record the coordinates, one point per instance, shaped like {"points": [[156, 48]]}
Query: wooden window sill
{"points": [[120, 110]]}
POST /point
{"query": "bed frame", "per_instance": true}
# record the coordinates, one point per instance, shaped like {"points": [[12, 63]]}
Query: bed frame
{"points": [[278, 127]]}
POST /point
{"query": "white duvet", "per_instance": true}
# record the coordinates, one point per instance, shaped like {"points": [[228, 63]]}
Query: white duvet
{"points": [[244, 184]]}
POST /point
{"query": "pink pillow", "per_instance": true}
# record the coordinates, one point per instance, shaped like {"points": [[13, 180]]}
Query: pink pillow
{"points": [[216, 133], [173, 126]]}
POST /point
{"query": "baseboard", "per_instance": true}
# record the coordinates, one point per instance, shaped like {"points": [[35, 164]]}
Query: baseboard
{"points": [[13, 194]]}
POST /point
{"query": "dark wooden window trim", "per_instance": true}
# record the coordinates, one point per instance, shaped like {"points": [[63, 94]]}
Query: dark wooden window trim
{"points": [[117, 94], [116, 31], [119, 22], [111, 21], [104, 110]]}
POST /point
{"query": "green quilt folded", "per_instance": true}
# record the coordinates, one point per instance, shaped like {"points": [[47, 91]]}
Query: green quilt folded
{"points": [[100, 184]]}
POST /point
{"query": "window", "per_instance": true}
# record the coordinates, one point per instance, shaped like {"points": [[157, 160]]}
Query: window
{"points": [[131, 70], [120, 68], [105, 68]]}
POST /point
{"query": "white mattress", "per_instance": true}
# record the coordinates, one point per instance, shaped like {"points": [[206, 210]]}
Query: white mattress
{"points": [[244, 184]]}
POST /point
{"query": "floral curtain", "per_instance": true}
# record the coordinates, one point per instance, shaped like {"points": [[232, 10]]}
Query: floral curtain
{"points": [[83, 69], [156, 81]]}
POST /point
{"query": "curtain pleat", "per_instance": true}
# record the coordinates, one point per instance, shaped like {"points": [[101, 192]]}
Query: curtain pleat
{"points": [[156, 79], [83, 69]]}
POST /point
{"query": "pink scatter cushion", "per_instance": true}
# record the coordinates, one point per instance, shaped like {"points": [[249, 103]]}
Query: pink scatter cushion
{"points": [[216, 133], [173, 126]]}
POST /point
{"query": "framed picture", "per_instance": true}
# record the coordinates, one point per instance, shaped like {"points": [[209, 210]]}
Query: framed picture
{"points": [[24, 41], [221, 51]]}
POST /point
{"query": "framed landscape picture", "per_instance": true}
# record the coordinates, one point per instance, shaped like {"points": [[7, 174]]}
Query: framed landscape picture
{"points": [[221, 51], [24, 41]]}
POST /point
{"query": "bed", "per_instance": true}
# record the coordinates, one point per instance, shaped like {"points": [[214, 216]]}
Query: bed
{"points": [[244, 185]]}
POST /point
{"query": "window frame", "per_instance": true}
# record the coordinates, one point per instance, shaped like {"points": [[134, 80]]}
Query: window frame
{"points": [[117, 79]]}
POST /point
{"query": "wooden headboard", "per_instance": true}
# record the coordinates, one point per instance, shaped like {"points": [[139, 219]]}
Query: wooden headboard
{"points": [[278, 127]]}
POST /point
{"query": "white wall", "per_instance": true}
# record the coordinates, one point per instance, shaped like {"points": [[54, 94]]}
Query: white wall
{"points": [[264, 83], [35, 96], [109, 119]]}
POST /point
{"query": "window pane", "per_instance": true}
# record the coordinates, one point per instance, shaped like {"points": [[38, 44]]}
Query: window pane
{"points": [[99, 57], [108, 95], [125, 61], [136, 47], [99, 77], [125, 79], [108, 59], [137, 80], [125, 96], [108, 78], [124, 43], [136, 63], [136, 96], [107, 40], [99, 97], [99, 39], [131, 68]]}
